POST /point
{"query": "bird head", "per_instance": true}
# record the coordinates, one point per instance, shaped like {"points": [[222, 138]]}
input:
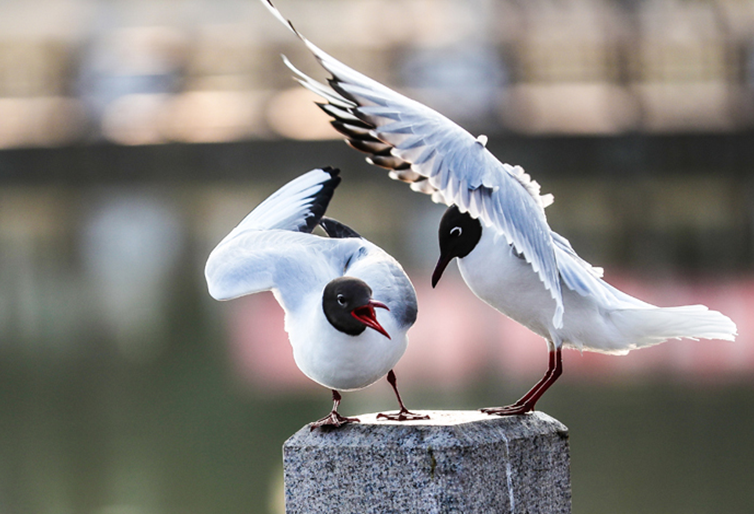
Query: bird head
{"points": [[459, 234], [349, 307]]}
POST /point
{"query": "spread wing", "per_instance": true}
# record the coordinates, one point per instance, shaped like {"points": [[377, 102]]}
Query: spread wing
{"points": [[437, 157], [272, 249], [291, 264], [297, 206]]}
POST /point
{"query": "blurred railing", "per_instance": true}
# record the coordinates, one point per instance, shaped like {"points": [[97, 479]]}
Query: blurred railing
{"points": [[210, 71]]}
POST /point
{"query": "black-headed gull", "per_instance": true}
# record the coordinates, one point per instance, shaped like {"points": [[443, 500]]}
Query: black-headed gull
{"points": [[496, 227], [329, 288]]}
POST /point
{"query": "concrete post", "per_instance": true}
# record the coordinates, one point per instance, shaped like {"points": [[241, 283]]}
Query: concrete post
{"points": [[458, 461]]}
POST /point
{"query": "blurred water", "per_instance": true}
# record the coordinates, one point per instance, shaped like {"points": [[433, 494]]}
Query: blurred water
{"points": [[179, 435], [123, 389]]}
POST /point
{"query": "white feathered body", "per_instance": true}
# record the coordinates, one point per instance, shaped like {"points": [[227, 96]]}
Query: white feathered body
{"points": [[297, 269], [600, 318], [268, 251], [341, 361], [550, 290]]}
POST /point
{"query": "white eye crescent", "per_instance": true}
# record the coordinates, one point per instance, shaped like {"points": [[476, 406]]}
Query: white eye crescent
{"points": [[456, 231], [341, 299]]}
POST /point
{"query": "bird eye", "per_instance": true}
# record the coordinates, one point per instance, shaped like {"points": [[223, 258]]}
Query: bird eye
{"points": [[341, 300], [456, 231]]}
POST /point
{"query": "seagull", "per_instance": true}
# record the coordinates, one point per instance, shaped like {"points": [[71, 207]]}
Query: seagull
{"points": [[496, 227], [329, 287]]}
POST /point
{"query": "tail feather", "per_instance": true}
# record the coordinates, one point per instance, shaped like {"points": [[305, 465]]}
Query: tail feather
{"points": [[650, 326]]}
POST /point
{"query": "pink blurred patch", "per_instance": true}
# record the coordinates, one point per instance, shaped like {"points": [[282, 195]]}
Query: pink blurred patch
{"points": [[457, 338], [446, 343], [259, 346]]}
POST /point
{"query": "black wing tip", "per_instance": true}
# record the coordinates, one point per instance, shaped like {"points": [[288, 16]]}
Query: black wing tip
{"points": [[334, 172], [328, 186], [321, 199], [389, 162], [282, 18], [334, 82], [336, 229]]}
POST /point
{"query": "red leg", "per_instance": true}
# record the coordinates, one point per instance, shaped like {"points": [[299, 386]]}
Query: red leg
{"points": [[529, 400], [333, 419], [404, 413], [551, 365]]}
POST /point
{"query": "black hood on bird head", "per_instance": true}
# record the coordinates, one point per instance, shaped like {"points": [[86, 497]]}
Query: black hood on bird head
{"points": [[349, 307], [459, 234]]}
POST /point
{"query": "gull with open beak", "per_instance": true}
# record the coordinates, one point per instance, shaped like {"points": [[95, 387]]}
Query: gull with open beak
{"points": [[348, 304]]}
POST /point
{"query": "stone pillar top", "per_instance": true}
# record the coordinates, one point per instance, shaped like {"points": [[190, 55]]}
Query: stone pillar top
{"points": [[457, 461]]}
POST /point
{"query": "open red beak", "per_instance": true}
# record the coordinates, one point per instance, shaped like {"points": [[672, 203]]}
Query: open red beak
{"points": [[366, 315]]}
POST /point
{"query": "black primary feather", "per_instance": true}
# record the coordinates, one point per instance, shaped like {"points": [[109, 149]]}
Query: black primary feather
{"points": [[322, 199], [336, 229]]}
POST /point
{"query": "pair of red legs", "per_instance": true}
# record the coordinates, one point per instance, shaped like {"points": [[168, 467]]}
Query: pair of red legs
{"points": [[522, 406], [334, 419], [527, 401]]}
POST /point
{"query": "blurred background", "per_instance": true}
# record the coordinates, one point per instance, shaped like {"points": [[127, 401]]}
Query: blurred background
{"points": [[134, 134]]}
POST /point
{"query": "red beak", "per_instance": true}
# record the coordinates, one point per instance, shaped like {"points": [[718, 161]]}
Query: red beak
{"points": [[366, 315]]}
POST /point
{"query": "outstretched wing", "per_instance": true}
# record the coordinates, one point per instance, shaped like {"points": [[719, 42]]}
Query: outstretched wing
{"points": [[297, 206], [271, 248], [437, 157], [291, 264]]}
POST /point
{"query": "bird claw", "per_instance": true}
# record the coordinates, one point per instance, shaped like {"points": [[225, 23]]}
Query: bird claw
{"points": [[403, 415], [509, 410], [334, 420]]}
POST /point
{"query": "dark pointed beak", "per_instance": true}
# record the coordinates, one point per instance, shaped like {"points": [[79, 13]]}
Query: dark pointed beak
{"points": [[442, 263], [366, 315]]}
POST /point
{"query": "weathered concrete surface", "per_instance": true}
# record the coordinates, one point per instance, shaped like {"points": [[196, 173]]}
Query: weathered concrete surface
{"points": [[459, 461]]}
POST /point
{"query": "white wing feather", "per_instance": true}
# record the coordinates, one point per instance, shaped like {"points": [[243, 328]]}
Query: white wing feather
{"points": [[276, 260], [271, 248], [290, 207], [446, 160]]}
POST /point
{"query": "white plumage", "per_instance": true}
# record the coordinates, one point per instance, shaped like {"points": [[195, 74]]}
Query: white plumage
{"points": [[437, 157], [597, 316], [514, 261], [272, 249]]}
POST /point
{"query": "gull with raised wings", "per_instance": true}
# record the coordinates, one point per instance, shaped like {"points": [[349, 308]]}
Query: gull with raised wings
{"points": [[348, 304], [496, 227]]}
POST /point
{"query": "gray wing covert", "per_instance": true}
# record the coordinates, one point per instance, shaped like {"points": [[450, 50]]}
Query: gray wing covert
{"points": [[290, 263], [437, 157]]}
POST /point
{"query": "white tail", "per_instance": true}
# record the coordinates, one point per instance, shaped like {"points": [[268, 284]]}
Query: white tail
{"points": [[650, 326]]}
